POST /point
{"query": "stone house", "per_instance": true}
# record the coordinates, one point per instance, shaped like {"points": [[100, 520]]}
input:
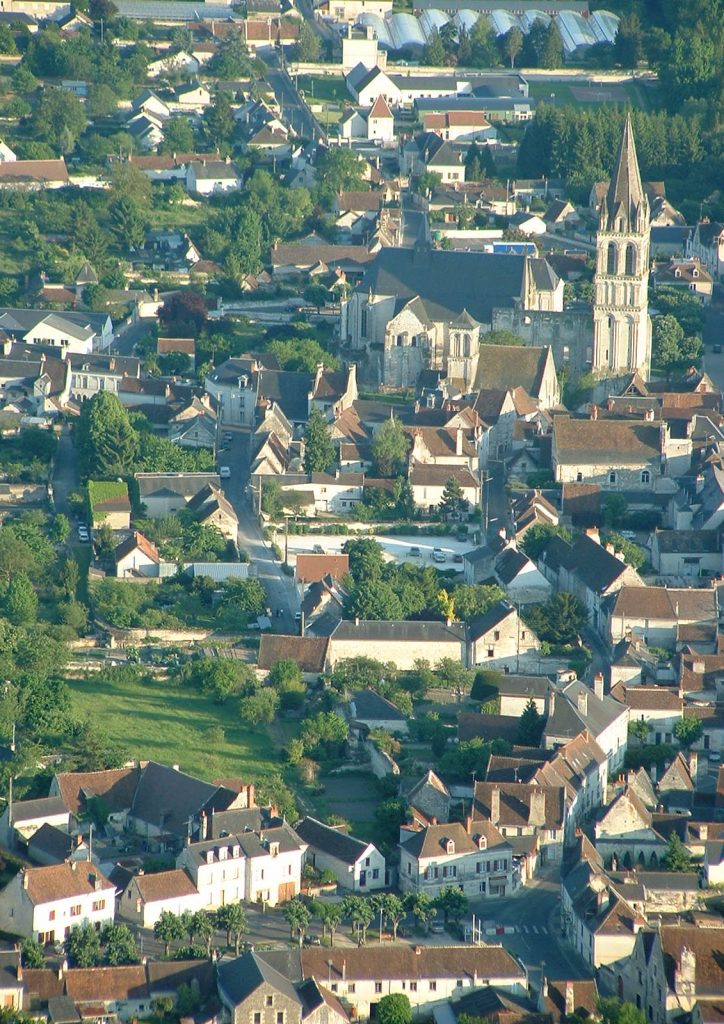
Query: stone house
{"points": [[357, 865], [656, 613], [587, 569], [576, 707], [430, 797], [399, 642], [24, 818], [503, 367], [599, 923], [686, 552], [523, 810], [146, 897], [640, 978], [626, 830], [515, 691], [45, 903], [659, 706], [618, 455], [500, 639], [706, 244], [210, 507], [520, 577], [477, 859], [254, 992]]}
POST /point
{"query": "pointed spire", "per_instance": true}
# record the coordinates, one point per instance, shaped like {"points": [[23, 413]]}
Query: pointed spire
{"points": [[626, 195]]}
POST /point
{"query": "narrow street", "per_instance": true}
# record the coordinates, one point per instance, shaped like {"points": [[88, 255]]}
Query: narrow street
{"points": [[65, 473], [279, 587]]}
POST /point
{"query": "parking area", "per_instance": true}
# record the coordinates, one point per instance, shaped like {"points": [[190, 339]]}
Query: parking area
{"points": [[418, 550]]}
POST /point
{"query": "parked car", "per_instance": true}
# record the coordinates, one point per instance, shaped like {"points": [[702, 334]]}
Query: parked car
{"points": [[458, 558], [438, 555], [628, 534], [318, 549], [83, 534], [228, 437], [437, 926], [414, 552], [225, 472]]}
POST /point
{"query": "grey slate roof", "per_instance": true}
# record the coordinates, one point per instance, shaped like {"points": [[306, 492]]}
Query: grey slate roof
{"points": [[239, 978], [168, 798], [26, 810], [330, 840], [369, 706], [290, 390], [482, 624], [51, 842], [448, 281], [399, 629]]}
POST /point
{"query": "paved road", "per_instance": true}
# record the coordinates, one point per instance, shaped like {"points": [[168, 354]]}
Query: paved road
{"points": [[280, 588], [130, 334], [65, 473], [293, 110]]}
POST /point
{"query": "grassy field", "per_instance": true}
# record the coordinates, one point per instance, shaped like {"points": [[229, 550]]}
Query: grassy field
{"points": [[162, 722], [323, 87], [577, 94]]}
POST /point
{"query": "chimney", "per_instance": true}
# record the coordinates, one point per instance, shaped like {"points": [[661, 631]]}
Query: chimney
{"points": [[570, 999], [693, 764], [495, 805], [19, 971], [537, 809], [598, 685], [459, 441], [583, 703], [592, 532], [551, 703], [704, 832], [649, 416], [73, 865], [418, 950], [698, 667], [610, 548], [468, 824], [543, 994], [24, 875], [602, 900], [685, 973], [594, 412]]}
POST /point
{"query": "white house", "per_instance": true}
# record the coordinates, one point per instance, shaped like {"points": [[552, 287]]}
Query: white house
{"points": [[205, 177], [146, 897], [381, 122], [25, 817], [45, 903], [575, 707], [357, 865], [475, 859], [263, 866], [428, 483], [500, 639], [136, 556]]}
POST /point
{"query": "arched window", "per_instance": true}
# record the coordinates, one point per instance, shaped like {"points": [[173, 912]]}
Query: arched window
{"points": [[630, 258], [645, 476], [611, 258]]}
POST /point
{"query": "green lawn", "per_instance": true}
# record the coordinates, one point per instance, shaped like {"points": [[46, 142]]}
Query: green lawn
{"points": [[588, 94], [162, 722], [323, 87]]}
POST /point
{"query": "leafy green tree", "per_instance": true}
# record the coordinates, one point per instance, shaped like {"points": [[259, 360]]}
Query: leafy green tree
{"points": [[483, 49], [614, 1011], [339, 170], [667, 336], [677, 857], [178, 136], [32, 954], [298, 917], [471, 599], [433, 55], [453, 903], [639, 729], [559, 620], [101, 101], [169, 928], [361, 914], [394, 912], [317, 295], [530, 726], [422, 909], [632, 553], [107, 443], [331, 915], [260, 707], [629, 43], [83, 946], [454, 502], [324, 731], [394, 1009], [219, 122], [203, 928], [21, 601], [390, 446], [319, 453], [119, 945], [233, 920], [308, 44], [373, 599], [615, 508], [366, 558], [128, 182], [303, 354], [688, 730], [536, 538], [552, 53], [511, 44], [59, 118]]}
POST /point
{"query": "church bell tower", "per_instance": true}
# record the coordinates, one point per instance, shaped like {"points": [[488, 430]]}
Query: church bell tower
{"points": [[621, 324]]}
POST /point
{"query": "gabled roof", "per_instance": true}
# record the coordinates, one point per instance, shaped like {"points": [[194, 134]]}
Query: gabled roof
{"points": [[433, 841], [331, 840], [64, 881], [309, 652], [115, 787], [515, 803], [168, 798], [164, 885], [137, 541], [400, 630], [371, 706], [380, 108]]}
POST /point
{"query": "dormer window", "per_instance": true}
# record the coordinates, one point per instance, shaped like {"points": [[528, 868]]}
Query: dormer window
{"points": [[695, 272], [482, 843], [223, 853], [273, 849], [449, 846], [209, 856], [236, 850]]}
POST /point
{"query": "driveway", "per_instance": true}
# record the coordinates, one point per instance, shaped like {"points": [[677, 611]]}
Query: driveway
{"points": [[280, 588]]}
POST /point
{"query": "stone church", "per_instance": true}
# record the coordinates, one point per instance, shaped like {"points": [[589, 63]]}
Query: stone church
{"points": [[425, 308]]}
